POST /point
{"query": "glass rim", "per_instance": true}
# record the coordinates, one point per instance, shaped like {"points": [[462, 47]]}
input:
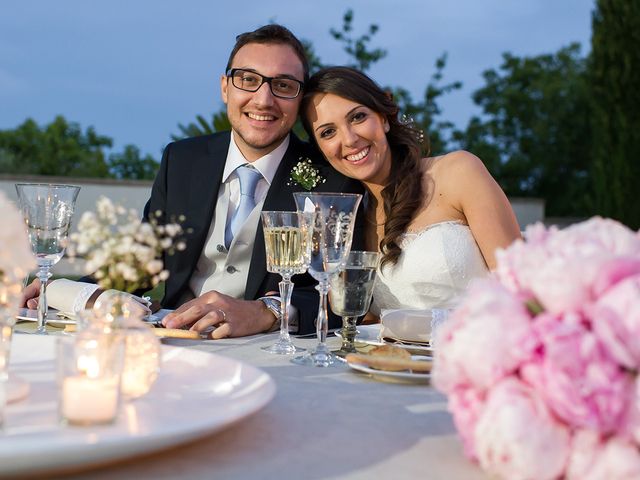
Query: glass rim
{"points": [[49, 185], [366, 252], [327, 194]]}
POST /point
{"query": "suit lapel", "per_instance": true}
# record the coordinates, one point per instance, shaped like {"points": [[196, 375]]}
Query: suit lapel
{"points": [[201, 189]]}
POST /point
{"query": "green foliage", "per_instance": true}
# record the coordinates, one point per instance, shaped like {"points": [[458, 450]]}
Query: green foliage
{"points": [[615, 85], [219, 122], [61, 148], [131, 165], [425, 113], [357, 48], [534, 135]]}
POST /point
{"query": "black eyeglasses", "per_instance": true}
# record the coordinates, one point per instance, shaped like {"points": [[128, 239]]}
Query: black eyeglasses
{"points": [[250, 81]]}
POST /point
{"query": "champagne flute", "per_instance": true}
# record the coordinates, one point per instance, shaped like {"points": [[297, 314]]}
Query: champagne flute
{"points": [[331, 242], [47, 210], [287, 238], [350, 294]]}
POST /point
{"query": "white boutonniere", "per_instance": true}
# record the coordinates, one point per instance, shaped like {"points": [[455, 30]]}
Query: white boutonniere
{"points": [[306, 174]]}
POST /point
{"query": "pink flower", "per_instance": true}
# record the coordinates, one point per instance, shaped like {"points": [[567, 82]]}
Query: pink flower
{"points": [[564, 268], [466, 404], [574, 373], [631, 427], [541, 363], [594, 459], [484, 340], [516, 436], [616, 321], [614, 271]]}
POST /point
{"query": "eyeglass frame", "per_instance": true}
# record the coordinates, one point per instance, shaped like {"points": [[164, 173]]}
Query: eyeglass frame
{"points": [[231, 72]]}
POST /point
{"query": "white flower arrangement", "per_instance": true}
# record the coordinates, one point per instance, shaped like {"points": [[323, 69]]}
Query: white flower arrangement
{"points": [[306, 174], [122, 252]]}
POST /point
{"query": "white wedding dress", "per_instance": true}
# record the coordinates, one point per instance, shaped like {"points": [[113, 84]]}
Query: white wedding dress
{"points": [[433, 270]]}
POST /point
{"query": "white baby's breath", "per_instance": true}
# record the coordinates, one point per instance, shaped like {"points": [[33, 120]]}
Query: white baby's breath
{"points": [[306, 174], [122, 252]]}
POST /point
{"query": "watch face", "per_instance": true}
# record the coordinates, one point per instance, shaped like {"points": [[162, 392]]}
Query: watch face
{"points": [[272, 304]]}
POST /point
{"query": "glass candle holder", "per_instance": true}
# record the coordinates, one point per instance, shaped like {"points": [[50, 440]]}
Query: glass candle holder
{"points": [[89, 374]]}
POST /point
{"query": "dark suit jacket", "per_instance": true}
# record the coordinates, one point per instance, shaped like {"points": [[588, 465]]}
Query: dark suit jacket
{"points": [[188, 183]]}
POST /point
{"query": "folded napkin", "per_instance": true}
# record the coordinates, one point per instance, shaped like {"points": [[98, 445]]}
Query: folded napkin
{"points": [[71, 297], [409, 325]]}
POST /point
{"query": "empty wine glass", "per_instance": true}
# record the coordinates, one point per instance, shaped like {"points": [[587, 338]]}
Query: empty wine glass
{"points": [[287, 239], [350, 294], [47, 211], [331, 242]]}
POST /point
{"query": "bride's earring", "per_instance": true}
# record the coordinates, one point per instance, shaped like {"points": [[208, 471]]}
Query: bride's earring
{"points": [[386, 127]]}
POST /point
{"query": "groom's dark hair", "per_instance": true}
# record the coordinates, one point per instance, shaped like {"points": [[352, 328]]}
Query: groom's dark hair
{"points": [[272, 33]]}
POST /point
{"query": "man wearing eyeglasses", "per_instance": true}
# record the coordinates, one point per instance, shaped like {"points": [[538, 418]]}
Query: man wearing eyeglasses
{"points": [[220, 281]]}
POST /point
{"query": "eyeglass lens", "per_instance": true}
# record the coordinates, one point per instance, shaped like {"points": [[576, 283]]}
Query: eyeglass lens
{"points": [[252, 81]]}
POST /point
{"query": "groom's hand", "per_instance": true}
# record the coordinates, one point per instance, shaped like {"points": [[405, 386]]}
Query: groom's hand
{"points": [[228, 316], [30, 295]]}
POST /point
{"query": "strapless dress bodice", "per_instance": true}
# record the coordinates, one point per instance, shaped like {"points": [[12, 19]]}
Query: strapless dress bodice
{"points": [[433, 270]]}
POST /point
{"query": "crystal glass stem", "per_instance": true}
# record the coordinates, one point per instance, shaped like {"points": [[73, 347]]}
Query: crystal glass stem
{"points": [[286, 290], [348, 333], [321, 355], [43, 275]]}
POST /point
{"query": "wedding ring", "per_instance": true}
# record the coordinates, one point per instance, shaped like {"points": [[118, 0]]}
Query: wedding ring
{"points": [[224, 315]]}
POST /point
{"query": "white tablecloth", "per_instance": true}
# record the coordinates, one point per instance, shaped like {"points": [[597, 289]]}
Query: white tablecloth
{"points": [[323, 423]]}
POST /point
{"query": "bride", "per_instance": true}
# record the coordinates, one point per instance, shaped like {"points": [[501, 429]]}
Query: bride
{"points": [[437, 221]]}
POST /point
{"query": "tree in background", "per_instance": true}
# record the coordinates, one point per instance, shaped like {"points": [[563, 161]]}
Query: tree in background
{"points": [[60, 148], [131, 165], [425, 114], [534, 135], [615, 99]]}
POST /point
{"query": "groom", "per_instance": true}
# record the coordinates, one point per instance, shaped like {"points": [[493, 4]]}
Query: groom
{"points": [[221, 182], [220, 280]]}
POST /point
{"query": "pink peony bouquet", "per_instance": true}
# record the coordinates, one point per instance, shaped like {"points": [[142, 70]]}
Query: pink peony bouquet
{"points": [[540, 362]]}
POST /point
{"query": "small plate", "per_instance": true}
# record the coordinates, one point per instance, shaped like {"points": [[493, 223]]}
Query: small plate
{"points": [[401, 376], [370, 335]]}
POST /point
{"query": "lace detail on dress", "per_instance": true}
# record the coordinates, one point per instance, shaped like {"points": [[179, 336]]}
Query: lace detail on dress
{"points": [[408, 237], [433, 271]]}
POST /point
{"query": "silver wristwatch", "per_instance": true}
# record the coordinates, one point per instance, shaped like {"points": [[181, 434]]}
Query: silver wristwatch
{"points": [[273, 304]]}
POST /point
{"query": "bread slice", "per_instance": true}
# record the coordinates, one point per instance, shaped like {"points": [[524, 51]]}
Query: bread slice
{"points": [[390, 363]]}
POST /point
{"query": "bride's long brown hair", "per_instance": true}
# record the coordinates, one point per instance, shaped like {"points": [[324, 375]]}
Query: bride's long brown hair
{"points": [[402, 195]]}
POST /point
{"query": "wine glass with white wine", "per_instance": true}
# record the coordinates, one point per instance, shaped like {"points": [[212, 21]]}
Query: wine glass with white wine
{"points": [[287, 239], [47, 210]]}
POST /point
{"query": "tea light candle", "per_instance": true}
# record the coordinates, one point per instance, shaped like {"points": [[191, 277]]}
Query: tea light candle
{"points": [[89, 400]]}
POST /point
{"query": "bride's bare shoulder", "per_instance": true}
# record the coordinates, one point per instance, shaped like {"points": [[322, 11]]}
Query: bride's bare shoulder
{"points": [[454, 160]]}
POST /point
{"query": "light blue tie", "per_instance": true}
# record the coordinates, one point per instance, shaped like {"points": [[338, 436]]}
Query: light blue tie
{"points": [[249, 178]]}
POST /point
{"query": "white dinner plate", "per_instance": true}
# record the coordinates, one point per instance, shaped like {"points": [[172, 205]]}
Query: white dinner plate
{"points": [[370, 335], [196, 394], [403, 376]]}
